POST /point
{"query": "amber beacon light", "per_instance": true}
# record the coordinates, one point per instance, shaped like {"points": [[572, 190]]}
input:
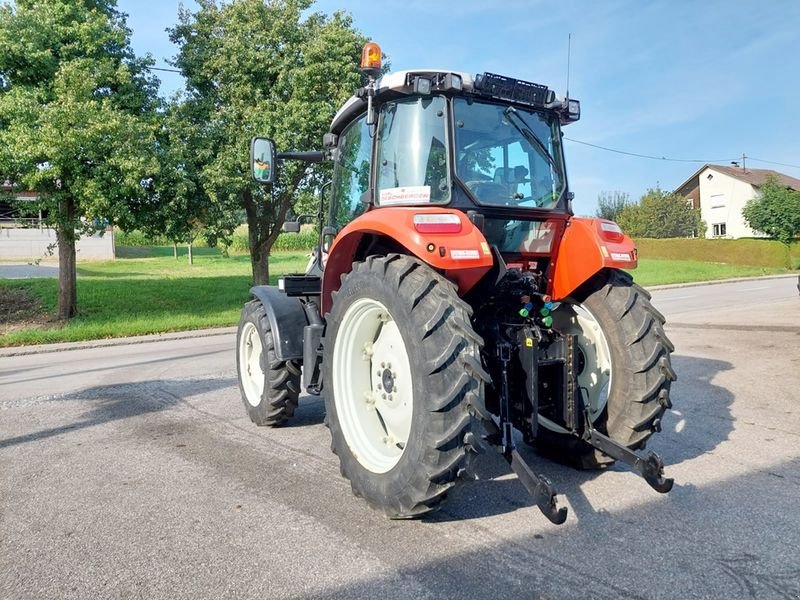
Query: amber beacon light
{"points": [[371, 59]]}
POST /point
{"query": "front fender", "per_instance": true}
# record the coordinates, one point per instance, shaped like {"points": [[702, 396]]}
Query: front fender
{"points": [[587, 246], [463, 256], [287, 319]]}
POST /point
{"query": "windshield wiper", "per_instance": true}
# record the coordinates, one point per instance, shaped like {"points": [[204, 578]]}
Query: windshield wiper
{"points": [[528, 134]]}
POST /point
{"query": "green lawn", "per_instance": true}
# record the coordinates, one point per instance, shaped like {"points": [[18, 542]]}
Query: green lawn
{"points": [[147, 291], [137, 296], [657, 271]]}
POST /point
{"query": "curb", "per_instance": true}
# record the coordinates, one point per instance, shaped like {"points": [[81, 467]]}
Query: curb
{"points": [[122, 341], [670, 286]]}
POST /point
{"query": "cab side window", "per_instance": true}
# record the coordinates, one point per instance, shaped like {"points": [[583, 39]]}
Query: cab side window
{"points": [[412, 152], [351, 173]]}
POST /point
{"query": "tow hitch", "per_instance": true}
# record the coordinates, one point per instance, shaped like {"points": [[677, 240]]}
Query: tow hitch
{"points": [[650, 467], [500, 434], [538, 486]]}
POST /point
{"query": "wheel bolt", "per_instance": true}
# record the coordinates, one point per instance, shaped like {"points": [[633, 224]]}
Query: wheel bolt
{"points": [[383, 396]]}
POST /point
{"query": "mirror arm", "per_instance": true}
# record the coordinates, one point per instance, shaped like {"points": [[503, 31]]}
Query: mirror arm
{"points": [[314, 156]]}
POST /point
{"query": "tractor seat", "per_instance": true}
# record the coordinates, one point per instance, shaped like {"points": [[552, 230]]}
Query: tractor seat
{"points": [[489, 192], [510, 178], [510, 175]]}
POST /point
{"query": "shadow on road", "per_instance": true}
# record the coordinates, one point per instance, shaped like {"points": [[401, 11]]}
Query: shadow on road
{"points": [[122, 401], [701, 418], [716, 541], [699, 422]]}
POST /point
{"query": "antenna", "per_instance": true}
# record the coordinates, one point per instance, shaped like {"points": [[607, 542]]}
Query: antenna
{"points": [[569, 48]]}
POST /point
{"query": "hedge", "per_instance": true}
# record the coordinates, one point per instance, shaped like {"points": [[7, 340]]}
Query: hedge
{"points": [[745, 251]]}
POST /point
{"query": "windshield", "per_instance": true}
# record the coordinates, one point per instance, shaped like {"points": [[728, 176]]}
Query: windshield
{"points": [[508, 156]]}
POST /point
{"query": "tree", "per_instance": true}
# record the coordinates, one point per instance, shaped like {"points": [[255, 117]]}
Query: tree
{"points": [[256, 68], [775, 212], [660, 214], [176, 205], [77, 113], [611, 204]]}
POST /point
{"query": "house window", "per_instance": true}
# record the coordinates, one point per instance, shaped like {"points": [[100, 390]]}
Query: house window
{"points": [[719, 229]]}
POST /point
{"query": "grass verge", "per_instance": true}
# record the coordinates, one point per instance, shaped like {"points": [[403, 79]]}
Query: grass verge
{"points": [[148, 291], [139, 296], [657, 271]]}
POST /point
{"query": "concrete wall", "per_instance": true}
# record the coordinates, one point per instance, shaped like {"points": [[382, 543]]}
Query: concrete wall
{"points": [[722, 200], [32, 243]]}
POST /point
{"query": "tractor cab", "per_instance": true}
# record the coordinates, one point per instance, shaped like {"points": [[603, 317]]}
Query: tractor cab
{"points": [[488, 145]]}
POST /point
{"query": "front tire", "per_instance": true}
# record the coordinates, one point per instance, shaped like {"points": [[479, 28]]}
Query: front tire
{"points": [[626, 371], [270, 387], [402, 380]]}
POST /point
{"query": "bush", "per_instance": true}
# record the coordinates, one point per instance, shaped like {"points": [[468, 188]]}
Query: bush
{"points": [[305, 240], [134, 237], [286, 242]]}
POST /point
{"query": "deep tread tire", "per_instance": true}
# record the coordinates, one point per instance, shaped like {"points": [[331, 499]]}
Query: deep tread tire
{"points": [[281, 389], [641, 370], [447, 381]]}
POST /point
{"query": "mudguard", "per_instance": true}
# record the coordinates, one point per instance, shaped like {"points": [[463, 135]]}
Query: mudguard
{"points": [[287, 318], [587, 246], [462, 255]]}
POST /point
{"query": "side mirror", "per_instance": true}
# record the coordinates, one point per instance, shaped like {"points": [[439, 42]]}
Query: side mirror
{"points": [[291, 227], [262, 160]]}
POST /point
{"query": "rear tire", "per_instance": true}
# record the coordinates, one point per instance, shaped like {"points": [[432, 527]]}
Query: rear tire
{"points": [[628, 401], [270, 387], [398, 329]]}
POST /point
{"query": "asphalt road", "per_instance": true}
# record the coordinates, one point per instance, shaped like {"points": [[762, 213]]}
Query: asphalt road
{"points": [[132, 472]]}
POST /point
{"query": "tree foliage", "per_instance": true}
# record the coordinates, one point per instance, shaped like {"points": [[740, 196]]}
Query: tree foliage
{"points": [[256, 68], [611, 204], [76, 117], [177, 205], [775, 212], [660, 214]]}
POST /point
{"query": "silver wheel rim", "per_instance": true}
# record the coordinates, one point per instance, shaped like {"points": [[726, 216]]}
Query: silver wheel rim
{"points": [[251, 374], [372, 385], [594, 379]]}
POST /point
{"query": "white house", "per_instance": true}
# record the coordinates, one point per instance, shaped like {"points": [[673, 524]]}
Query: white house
{"points": [[722, 192]]}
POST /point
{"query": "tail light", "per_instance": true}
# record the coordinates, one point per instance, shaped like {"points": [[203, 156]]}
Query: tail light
{"points": [[611, 232]]}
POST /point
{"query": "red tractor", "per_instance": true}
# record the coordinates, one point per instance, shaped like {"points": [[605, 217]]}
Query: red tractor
{"points": [[454, 298]]}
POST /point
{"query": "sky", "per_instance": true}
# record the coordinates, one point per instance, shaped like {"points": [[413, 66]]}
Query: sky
{"points": [[706, 81]]}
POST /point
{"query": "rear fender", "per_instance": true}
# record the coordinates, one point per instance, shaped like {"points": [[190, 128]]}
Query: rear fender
{"points": [[287, 319], [462, 256], [588, 246]]}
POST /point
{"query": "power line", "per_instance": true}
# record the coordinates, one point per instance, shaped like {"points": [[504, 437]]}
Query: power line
{"points": [[770, 162], [691, 160]]}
